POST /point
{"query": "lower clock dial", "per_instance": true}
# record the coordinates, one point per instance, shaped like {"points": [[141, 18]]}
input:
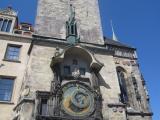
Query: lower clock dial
{"points": [[78, 100]]}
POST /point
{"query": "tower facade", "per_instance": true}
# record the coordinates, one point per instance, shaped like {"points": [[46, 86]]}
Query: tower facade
{"points": [[69, 71], [52, 14]]}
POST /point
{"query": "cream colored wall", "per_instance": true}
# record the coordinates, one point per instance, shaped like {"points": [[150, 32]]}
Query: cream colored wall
{"points": [[109, 86], [39, 71], [13, 69]]}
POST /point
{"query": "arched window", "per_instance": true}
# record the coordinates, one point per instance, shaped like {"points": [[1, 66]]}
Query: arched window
{"points": [[9, 26], [123, 87], [1, 21], [4, 26]]}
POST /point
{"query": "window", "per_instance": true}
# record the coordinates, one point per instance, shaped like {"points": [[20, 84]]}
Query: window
{"points": [[75, 62], [82, 71], [43, 109], [12, 52], [67, 70], [72, 29], [6, 88], [5, 25], [25, 28], [1, 21], [9, 26], [122, 84]]}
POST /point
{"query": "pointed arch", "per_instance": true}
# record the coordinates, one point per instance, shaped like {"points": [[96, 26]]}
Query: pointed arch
{"points": [[121, 74]]}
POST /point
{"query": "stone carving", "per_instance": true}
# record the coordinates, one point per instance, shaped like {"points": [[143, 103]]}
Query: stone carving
{"points": [[58, 52], [26, 91], [76, 73], [71, 28], [8, 11]]}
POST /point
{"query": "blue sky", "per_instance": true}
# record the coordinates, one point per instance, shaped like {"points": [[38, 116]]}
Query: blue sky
{"points": [[136, 22]]}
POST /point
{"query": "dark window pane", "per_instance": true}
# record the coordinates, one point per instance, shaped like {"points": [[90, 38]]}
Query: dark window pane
{"points": [[1, 21], [6, 87], [82, 71], [9, 26], [75, 62], [72, 29], [25, 28], [122, 83], [43, 107], [67, 70], [4, 26], [12, 53]]}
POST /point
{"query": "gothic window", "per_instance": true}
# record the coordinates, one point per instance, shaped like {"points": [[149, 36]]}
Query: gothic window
{"points": [[82, 71], [75, 62], [12, 52], [67, 70], [122, 84], [6, 88]]}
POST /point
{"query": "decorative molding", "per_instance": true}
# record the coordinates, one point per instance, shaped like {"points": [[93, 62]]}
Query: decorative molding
{"points": [[140, 113], [8, 11], [116, 105], [23, 101]]}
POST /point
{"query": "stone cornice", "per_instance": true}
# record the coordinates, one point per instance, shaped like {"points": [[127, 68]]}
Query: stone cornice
{"points": [[94, 47], [140, 113], [23, 101], [14, 37]]}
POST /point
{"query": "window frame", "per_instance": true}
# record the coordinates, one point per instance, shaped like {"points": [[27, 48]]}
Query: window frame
{"points": [[123, 87], [6, 24], [75, 62], [13, 78], [6, 52], [83, 69], [1, 23], [67, 66], [9, 25]]}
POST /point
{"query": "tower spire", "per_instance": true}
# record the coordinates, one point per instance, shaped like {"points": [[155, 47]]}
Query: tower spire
{"points": [[114, 37]]}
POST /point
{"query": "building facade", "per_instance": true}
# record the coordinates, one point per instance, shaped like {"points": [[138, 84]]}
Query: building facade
{"points": [[65, 69]]}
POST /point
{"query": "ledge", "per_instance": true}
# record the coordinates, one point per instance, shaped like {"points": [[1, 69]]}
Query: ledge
{"points": [[15, 61], [116, 105], [22, 101], [6, 102], [41, 117], [140, 113]]}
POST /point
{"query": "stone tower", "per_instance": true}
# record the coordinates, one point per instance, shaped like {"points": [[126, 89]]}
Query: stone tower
{"points": [[52, 14], [67, 71]]}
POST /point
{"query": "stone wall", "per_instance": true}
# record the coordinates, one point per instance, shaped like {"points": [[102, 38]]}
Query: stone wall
{"points": [[13, 69], [53, 14]]}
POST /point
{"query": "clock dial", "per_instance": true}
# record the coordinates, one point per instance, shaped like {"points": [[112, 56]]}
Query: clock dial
{"points": [[78, 100]]}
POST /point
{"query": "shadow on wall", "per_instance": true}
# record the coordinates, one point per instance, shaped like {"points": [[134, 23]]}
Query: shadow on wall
{"points": [[102, 82]]}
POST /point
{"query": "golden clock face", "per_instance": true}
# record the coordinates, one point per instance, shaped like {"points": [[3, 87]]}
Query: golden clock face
{"points": [[78, 100]]}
